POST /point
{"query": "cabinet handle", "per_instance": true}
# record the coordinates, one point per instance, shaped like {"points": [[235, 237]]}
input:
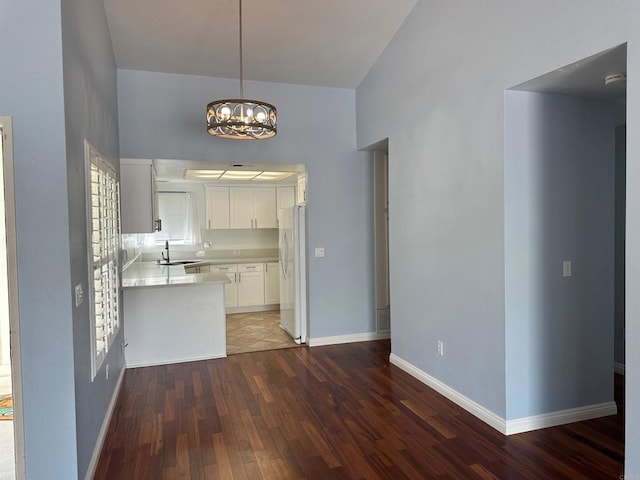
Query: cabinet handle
{"points": [[252, 223], [209, 224], [256, 223], [239, 277], [235, 278], [254, 266]]}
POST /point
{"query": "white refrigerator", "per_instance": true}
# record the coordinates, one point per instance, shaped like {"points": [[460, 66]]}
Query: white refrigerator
{"points": [[293, 273]]}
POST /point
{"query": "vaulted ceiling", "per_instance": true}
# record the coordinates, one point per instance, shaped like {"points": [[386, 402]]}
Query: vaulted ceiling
{"points": [[330, 43]]}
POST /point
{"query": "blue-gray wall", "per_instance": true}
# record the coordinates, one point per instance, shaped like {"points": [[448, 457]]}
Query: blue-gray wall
{"points": [[437, 94], [91, 113], [559, 206], [58, 82], [31, 91], [619, 313], [162, 116]]}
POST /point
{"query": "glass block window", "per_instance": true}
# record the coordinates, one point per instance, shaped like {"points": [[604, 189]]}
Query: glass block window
{"points": [[104, 247]]}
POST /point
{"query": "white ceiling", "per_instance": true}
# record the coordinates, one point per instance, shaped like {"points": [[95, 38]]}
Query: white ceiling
{"points": [[585, 78], [330, 43]]}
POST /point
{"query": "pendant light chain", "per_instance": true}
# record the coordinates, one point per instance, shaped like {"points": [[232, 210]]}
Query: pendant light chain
{"points": [[241, 69]]}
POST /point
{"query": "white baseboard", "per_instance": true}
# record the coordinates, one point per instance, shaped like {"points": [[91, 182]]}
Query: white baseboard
{"points": [[171, 362], [253, 309], [352, 338], [507, 427], [561, 417], [95, 456], [619, 368], [456, 397]]}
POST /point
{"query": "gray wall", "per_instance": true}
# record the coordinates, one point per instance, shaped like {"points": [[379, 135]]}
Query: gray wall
{"points": [[559, 206], [90, 113], [162, 116], [619, 313], [448, 66], [31, 91]]}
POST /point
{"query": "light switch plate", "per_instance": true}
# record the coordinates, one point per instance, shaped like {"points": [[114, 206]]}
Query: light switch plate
{"points": [[319, 252], [566, 269], [79, 293]]}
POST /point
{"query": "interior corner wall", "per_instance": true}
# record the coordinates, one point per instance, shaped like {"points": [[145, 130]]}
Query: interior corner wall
{"points": [[559, 206], [31, 92], [91, 113], [454, 60], [163, 116]]}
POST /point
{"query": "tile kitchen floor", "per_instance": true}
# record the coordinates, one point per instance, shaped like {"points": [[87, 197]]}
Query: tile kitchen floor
{"points": [[254, 332]]}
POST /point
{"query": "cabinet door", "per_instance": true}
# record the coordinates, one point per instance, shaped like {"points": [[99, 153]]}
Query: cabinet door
{"points": [[264, 207], [302, 190], [250, 288], [137, 196], [217, 208], [241, 208], [286, 197], [272, 283], [231, 291]]}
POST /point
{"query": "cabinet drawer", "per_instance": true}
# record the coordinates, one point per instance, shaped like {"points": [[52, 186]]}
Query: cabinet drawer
{"points": [[229, 268], [251, 267]]}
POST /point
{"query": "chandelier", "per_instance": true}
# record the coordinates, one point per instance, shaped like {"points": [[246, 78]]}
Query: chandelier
{"points": [[239, 118]]}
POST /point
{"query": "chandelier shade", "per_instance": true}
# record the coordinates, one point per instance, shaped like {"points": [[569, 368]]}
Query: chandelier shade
{"points": [[239, 118]]}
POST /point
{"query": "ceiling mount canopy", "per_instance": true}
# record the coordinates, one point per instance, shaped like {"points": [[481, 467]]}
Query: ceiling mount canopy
{"points": [[239, 118]]}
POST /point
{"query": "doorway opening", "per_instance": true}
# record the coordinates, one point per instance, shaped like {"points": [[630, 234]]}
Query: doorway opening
{"points": [[230, 219], [11, 428], [564, 240], [381, 240]]}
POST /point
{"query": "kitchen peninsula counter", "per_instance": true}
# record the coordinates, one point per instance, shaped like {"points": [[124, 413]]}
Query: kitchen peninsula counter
{"points": [[152, 274], [171, 316]]}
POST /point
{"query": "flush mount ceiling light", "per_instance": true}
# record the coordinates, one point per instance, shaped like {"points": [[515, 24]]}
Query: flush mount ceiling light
{"points": [[239, 118], [237, 175]]}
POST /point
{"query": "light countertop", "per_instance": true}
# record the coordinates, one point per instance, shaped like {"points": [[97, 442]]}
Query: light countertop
{"points": [[151, 274]]}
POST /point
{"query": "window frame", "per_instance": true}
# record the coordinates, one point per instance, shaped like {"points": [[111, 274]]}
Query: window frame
{"points": [[109, 253]]}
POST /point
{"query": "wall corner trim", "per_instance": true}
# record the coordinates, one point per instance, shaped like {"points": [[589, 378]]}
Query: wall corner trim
{"points": [[456, 397], [95, 456], [352, 338], [561, 417]]}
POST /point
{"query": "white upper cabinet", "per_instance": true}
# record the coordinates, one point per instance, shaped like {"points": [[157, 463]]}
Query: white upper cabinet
{"points": [[138, 196], [302, 190], [217, 207], [252, 207], [286, 198], [264, 208]]}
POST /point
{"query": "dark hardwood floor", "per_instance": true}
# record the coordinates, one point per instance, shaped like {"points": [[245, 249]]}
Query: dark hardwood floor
{"points": [[337, 412]]}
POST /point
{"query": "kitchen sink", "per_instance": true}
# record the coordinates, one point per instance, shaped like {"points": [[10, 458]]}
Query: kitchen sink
{"points": [[178, 262]]}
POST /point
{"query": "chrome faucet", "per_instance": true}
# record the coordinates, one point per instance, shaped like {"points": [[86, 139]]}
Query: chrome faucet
{"points": [[166, 247]]}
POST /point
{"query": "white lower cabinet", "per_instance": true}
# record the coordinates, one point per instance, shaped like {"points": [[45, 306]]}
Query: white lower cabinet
{"points": [[272, 283], [250, 284], [230, 289]]}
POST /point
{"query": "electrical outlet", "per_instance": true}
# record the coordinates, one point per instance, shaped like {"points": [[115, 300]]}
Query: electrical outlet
{"points": [[440, 348], [107, 370], [319, 252], [566, 268], [79, 294]]}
